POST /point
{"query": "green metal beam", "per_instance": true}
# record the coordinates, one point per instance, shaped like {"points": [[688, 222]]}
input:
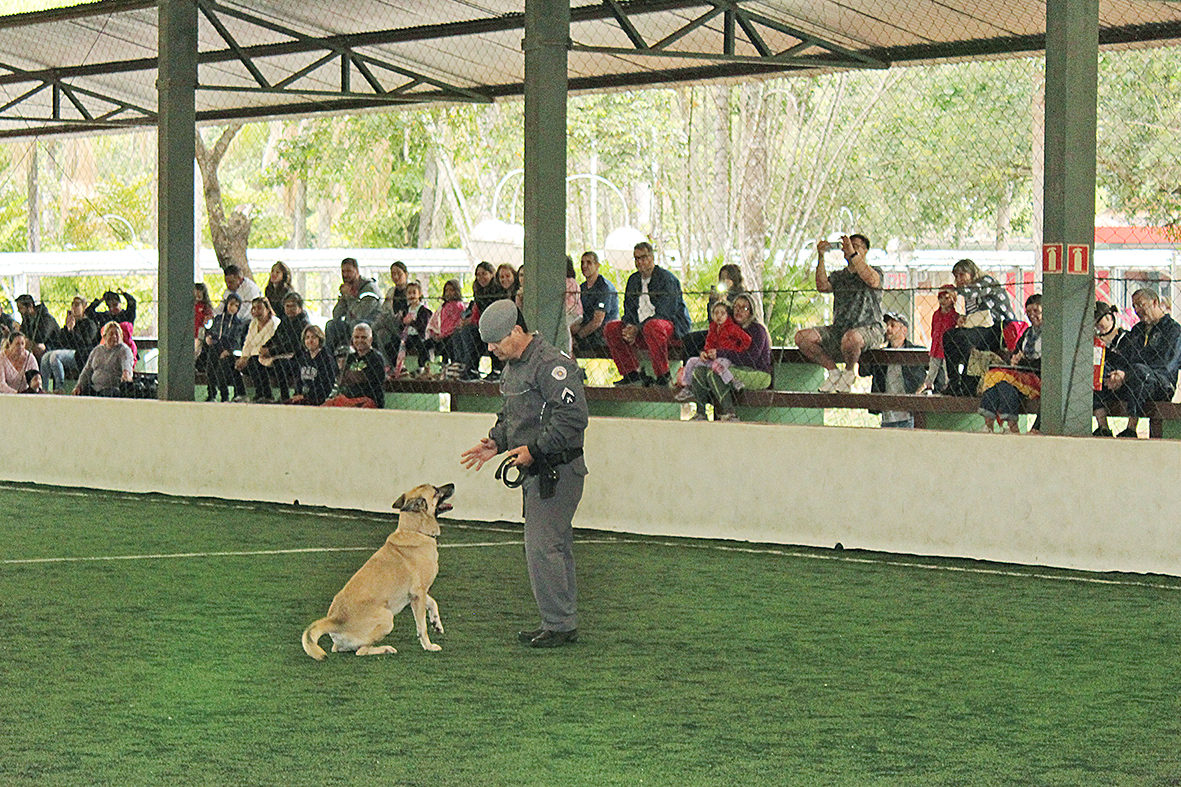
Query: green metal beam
{"points": [[547, 31], [176, 143], [1072, 72]]}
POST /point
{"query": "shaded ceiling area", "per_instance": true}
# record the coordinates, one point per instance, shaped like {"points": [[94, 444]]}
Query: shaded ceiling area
{"points": [[93, 67]]}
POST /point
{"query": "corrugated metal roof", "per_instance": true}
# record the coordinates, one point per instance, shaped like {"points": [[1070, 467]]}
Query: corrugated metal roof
{"points": [[93, 67]]}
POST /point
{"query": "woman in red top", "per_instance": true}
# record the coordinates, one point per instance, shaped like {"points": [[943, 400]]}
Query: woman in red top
{"points": [[202, 314], [943, 320]]}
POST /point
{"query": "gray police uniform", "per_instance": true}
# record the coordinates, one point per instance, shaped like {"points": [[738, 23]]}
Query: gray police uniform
{"points": [[545, 409]]}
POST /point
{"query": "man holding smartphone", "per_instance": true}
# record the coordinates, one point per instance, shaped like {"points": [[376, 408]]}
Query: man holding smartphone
{"points": [[856, 314]]}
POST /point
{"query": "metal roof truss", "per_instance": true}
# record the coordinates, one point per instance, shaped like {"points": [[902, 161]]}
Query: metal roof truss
{"points": [[735, 18], [387, 82]]}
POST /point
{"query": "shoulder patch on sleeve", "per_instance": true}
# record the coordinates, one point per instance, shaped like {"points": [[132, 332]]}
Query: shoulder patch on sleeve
{"points": [[568, 396], [559, 372]]}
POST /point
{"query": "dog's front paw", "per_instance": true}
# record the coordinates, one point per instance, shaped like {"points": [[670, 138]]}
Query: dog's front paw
{"points": [[374, 650], [431, 646]]}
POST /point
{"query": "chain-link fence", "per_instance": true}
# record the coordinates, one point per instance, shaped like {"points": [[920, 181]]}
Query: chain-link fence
{"points": [[931, 163]]}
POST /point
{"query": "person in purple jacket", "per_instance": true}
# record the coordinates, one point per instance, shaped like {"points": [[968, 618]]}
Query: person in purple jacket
{"points": [[750, 368]]}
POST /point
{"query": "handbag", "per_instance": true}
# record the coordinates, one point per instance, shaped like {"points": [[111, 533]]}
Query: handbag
{"points": [[980, 361], [981, 319]]}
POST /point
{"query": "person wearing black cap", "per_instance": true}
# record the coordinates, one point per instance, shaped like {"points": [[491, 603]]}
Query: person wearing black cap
{"points": [[895, 378], [113, 313], [540, 428]]}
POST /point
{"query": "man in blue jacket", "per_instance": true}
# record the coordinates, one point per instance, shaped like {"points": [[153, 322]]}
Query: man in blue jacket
{"points": [[654, 313], [1147, 365]]}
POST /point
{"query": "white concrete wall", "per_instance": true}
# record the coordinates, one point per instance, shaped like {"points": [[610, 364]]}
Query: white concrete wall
{"points": [[1081, 503]]}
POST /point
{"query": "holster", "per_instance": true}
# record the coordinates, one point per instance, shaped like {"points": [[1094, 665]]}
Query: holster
{"points": [[545, 467], [547, 476]]}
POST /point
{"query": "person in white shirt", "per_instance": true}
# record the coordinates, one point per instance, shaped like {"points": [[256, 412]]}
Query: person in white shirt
{"points": [[263, 323], [244, 288]]}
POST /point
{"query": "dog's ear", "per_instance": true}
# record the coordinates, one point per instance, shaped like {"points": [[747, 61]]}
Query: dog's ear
{"points": [[414, 504]]}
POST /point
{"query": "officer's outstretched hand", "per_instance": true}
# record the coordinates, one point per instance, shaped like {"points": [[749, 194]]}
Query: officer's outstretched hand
{"points": [[478, 454]]}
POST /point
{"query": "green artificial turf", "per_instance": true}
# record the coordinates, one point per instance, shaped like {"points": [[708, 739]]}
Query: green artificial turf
{"points": [[697, 665]]}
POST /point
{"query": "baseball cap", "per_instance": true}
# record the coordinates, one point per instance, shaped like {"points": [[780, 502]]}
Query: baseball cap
{"points": [[498, 320], [896, 317]]}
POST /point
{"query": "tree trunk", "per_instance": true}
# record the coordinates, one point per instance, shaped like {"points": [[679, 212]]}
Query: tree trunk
{"points": [[686, 197], [299, 214], [454, 195], [34, 201], [324, 227], [1038, 133], [426, 215], [719, 222], [752, 216], [230, 236], [1004, 215]]}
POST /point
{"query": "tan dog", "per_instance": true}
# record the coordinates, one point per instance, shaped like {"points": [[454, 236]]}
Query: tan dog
{"points": [[399, 573]]}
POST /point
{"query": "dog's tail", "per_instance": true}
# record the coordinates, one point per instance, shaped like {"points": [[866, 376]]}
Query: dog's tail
{"points": [[311, 637]]}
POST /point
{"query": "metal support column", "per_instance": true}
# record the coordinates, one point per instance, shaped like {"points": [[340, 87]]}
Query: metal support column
{"points": [[176, 83], [1072, 67], [547, 37]]}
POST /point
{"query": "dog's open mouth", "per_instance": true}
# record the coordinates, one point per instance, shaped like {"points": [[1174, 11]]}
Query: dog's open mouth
{"points": [[444, 492]]}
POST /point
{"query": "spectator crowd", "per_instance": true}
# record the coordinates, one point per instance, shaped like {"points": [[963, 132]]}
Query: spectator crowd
{"points": [[980, 345]]}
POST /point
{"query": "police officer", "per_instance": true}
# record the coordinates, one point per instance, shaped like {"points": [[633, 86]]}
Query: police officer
{"points": [[540, 428]]}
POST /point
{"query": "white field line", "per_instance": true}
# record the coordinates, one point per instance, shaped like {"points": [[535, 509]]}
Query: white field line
{"points": [[905, 564], [239, 506], [488, 528], [623, 541]]}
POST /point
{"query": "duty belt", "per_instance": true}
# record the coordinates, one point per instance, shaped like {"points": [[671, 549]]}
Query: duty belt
{"points": [[545, 466], [563, 457]]}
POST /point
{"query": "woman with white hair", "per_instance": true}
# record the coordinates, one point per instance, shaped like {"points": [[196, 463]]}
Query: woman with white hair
{"points": [[109, 364]]}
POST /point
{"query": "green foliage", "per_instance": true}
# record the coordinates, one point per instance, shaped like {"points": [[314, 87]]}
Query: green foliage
{"points": [[28, 6], [790, 301], [945, 150], [1138, 167], [270, 231], [381, 156], [14, 217], [696, 288]]}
